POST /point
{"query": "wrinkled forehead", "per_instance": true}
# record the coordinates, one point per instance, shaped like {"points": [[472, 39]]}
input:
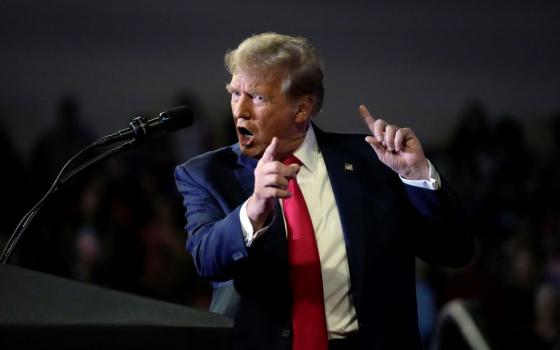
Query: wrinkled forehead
{"points": [[253, 78]]}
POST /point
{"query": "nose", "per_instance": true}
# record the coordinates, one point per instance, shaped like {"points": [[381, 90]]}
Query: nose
{"points": [[242, 107]]}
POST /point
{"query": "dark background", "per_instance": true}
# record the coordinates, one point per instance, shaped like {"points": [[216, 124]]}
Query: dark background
{"points": [[478, 81]]}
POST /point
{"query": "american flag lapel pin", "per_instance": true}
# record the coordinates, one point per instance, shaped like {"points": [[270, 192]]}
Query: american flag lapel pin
{"points": [[348, 167]]}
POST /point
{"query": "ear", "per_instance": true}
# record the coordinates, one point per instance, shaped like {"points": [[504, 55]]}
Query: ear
{"points": [[304, 108]]}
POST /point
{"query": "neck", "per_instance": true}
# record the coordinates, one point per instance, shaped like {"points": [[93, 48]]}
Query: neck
{"points": [[290, 144]]}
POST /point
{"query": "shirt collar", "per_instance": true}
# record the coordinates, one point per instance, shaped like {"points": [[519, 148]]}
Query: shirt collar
{"points": [[308, 151]]}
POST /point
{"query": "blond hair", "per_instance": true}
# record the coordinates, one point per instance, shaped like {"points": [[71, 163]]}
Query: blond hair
{"points": [[303, 74]]}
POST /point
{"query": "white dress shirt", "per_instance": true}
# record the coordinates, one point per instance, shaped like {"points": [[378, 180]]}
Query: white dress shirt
{"points": [[316, 187]]}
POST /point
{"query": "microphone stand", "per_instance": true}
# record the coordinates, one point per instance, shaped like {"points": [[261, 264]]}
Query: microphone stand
{"points": [[56, 185]]}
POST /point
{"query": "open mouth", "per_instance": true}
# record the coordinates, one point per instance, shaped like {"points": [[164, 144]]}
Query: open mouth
{"points": [[246, 137]]}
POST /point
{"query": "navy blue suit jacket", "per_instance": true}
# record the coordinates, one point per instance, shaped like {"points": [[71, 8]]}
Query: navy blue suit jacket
{"points": [[386, 225]]}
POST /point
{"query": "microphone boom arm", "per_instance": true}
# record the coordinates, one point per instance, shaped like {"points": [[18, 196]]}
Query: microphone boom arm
{"points": [[56, 185]]}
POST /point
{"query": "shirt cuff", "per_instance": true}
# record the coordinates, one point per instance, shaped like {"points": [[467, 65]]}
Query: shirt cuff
{"points": [[247, 228], [432, 183]]}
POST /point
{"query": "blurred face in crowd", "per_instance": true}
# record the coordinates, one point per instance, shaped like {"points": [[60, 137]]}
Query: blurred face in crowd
{"points": [[261, 110]]}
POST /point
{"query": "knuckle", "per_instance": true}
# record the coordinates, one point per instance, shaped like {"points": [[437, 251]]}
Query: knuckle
{"points": [[276, 179], [275, 166]]}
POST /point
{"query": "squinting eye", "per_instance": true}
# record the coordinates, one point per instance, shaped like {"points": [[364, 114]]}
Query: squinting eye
{"points": [[259, 98]]}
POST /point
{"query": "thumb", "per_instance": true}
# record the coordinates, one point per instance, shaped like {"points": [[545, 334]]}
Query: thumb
{"points": [[376, 145], [295, 168], [270, 151]]}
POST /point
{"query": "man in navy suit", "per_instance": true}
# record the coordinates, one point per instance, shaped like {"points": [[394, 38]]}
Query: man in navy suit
{"points": [[375, 203]]}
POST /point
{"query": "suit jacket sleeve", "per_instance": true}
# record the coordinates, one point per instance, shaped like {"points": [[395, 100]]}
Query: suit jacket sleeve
{"points": [[443, 238], [215, 239]]}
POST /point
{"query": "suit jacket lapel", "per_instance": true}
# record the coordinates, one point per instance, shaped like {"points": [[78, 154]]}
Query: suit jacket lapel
{"points": [[344, 174], [245, 171]]}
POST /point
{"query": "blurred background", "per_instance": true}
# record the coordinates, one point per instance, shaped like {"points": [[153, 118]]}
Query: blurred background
{"points": [[478, 81]]}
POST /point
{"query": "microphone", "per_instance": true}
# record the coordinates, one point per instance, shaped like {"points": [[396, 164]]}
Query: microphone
{"points": [[139, 128]]}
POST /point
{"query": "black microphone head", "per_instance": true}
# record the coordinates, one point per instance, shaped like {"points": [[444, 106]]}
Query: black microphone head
{"points": [[176, 118]]}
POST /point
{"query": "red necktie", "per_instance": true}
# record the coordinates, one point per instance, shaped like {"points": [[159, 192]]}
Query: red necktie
{"points": [[308, 310]]}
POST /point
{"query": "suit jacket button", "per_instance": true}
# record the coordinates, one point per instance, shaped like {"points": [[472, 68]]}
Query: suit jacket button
{"points": [[286, 333]]}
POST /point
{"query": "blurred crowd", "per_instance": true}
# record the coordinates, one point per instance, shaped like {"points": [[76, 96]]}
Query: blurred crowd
{"points": [[511, 290], [120, 225]]}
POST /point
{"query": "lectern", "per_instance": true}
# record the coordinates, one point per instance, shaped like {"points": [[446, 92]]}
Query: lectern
{"points": [[41, 311]]}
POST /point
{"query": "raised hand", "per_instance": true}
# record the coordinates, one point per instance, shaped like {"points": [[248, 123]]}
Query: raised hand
{"points": [[396, 147], [271, 183]]}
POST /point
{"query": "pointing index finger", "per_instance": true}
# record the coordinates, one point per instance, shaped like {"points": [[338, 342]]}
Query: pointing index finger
{"points": [[270, 151], [366, 115]]}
